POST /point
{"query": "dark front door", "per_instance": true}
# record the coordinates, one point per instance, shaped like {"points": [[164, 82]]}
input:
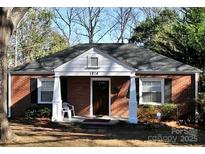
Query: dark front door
{"points": [[100, 97]]}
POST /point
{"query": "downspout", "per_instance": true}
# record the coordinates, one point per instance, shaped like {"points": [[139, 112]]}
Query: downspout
{"points": [[196, 85], [9, 95], [196, 79]]}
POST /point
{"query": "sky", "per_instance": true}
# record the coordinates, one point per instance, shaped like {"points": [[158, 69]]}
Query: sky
{"points": [[106, 21]]}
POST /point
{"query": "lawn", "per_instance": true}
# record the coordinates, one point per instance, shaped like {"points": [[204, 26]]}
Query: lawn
{"points": [[45, 133]]}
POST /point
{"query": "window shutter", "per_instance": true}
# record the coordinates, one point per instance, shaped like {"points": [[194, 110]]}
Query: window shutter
{"points": [[64, 89], [137, 89], [34, 90], [168, 91]]}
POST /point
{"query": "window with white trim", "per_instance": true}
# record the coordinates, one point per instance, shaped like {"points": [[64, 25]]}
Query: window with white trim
{"points": [[152, 91], [93, 62], [45, 90]]}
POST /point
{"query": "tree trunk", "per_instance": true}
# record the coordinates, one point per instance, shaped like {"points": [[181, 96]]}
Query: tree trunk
{"points": [[9, 18], [5, 31]]}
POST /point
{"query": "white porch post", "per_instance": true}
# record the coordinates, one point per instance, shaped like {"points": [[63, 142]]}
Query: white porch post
{"points": [[133, 102], [57, 101]]}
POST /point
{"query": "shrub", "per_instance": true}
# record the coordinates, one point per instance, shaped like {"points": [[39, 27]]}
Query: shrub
{"points": [[168, 111], [149, 112], [38, 111], [44, 112], [186, 112], [201, 100], [201, 103]]}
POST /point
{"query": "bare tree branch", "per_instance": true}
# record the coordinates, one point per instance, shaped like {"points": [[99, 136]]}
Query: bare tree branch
{"points": [[68, 21], [124, 17], [151, 12], [61, 29], [107, 31], [88, 18], [61, 17]]}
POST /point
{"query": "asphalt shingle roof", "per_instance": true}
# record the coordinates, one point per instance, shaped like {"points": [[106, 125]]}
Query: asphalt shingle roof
{"points": [[144, 60]]}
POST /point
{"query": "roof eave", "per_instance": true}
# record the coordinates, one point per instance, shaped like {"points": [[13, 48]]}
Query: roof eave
{"points": [[167, 72], [33, 72]]}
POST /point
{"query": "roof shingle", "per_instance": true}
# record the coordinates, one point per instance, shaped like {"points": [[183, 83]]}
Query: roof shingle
{"points": [[143, 60]]}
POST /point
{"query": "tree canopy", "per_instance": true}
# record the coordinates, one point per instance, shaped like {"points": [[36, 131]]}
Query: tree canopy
{"points": [[35, 37], [177, 34]]}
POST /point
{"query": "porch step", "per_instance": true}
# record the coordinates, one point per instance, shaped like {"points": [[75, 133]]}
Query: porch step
{"points": [[99, 122]]}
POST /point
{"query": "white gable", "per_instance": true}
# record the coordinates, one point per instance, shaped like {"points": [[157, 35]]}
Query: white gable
{"points": [[107, 65]]}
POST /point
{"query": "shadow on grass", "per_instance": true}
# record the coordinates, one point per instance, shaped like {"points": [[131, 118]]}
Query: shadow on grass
{"points": [[127, 133]]}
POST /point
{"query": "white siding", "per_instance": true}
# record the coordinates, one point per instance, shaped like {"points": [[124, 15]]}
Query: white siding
{"points": [[106, 64]]}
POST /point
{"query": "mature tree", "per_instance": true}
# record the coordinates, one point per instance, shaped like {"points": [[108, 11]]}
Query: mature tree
{"points": [[150, 31], [123, 20], [88, 19], [35, 36], [94, 24], [180, 37], [177, 35], [80, 23], [9, 18]]}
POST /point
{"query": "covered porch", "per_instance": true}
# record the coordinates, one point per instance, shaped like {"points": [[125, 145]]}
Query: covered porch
{"points": [[93, 82], [96, 97]]}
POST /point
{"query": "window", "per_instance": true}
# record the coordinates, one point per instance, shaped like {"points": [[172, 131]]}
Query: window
{"points": [[152, 91], [45, 90], [93, 62]]}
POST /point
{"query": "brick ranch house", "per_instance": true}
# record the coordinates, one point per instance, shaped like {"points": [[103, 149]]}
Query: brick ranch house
{"points": [[101, 79]]}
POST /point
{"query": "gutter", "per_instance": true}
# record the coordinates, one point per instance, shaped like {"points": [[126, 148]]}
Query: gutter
{"points": [[33, 73], [166, 72]]}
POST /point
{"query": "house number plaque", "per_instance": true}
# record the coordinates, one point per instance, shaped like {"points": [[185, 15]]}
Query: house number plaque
{"points": [[93, 73]]}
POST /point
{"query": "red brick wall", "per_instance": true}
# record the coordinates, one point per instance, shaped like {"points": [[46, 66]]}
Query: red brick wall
{"points": [[119, 100], [79, 94], [182, 88], [20, 93]]}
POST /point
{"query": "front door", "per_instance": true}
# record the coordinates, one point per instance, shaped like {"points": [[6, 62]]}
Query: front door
{"points": [[100, 96]]}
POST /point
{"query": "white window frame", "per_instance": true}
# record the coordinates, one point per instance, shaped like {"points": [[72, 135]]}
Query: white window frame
{"points": [[162, 90], [39, 83], [89, 62]]}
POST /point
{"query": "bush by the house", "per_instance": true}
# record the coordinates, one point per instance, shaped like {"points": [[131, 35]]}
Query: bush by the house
{"points": [[168, 111], [38, 111], [201, 100], [149, 112], [186, 112], [201, 108]]}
